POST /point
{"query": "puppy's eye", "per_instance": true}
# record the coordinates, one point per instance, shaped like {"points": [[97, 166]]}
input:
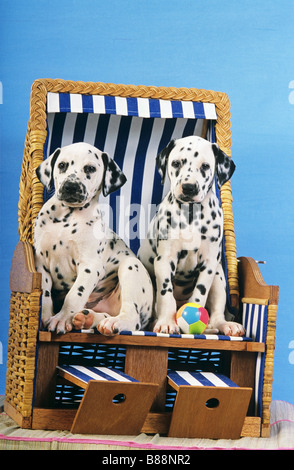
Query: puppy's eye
{"points": [[89, 169], [176, 164], [62, 166], [205, 166]]}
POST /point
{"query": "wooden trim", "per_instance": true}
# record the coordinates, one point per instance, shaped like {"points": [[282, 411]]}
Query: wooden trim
{"points": [[155, 423], [24, 423], [252, 284], [247, 300], [23, 275], [153, 341]]}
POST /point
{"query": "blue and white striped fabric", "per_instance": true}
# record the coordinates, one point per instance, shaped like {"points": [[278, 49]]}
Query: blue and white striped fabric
{"points": [[185, 336], [84, 374], [132, 131], [254, 321], [141, 107], [200, 379]]}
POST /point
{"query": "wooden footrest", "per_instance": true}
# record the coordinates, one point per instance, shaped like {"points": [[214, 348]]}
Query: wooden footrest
{"points": [[113, 402], [207, 405]]}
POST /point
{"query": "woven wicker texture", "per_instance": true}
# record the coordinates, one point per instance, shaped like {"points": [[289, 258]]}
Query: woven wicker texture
{"points": [[23, 328]]}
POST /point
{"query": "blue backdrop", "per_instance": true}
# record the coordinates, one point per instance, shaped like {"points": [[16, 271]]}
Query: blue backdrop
{"points": [[242, 48]]}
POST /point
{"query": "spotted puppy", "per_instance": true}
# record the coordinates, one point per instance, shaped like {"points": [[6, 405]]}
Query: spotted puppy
{"points": [[83, 263], [182, 251]]}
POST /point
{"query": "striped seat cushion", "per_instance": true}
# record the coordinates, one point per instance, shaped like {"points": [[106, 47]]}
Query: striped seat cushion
{"points": [[199, 379], [84, 374]]}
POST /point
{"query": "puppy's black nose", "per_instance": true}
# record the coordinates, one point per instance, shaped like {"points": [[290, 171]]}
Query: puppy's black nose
{"points": [[71, 187], [190, 189]]}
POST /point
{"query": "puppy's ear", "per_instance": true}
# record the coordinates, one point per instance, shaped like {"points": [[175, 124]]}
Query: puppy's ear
{"points": [[162, 158], [224, 166], [45, 170], [113, 178]]}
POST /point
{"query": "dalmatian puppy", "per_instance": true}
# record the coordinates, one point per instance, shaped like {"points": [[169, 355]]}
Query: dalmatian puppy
{"points": [[85, 266], [182, 250]]}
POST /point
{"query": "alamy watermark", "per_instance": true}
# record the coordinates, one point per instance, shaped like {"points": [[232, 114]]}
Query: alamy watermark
{"points": [[291, 94], [133, 222]]}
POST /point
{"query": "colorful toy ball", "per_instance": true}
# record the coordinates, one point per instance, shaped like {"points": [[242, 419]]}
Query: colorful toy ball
{"points": [[192, 318]]}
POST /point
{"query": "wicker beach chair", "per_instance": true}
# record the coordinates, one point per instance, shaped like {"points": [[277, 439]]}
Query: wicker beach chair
{"points": [[132, 124]]}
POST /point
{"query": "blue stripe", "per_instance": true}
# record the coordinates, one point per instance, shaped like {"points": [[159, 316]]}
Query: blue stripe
{"points": [[226, 380], [203, 380], [199, 110], [119, 155], [177, 109], [154, 108], [57, 131], [177, 379], [87, 101], [77, 373], [80, 127], [110, 107], [101, 132], [189, 127], [64, 102], [132, 104], [265, 323]]}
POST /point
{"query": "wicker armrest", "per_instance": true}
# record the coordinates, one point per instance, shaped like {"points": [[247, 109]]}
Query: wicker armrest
{"points": [[23, 275]]}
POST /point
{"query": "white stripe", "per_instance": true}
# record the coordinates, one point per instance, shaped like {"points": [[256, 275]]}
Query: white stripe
{"points": [[257, 375], [98, 104], [209, 111], [188, 109], [165, 109], [89, 373], [91, 128], [189, 378], [50, 121], [112, 373], [199, 127], [76, 103], [121, 106], [53, 103], [255, 321], [68, 130], [143, 107], [214, 379]]}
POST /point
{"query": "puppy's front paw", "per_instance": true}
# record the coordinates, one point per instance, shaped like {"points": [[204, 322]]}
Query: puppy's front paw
{"points": [[61, 323], [168, 326], [230, 328], [87, 319]]}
